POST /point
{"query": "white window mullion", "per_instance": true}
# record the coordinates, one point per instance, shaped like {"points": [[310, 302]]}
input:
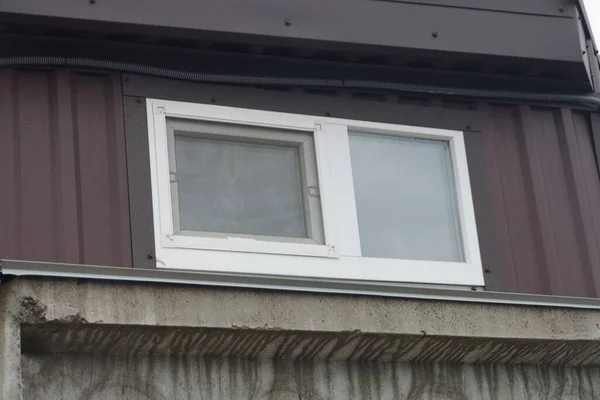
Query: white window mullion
{"points": [[343, 205]]}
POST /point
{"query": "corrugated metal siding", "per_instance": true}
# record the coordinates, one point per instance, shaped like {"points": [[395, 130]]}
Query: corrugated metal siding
{"points": [[63, 172], [63, 168], [546, 199]]}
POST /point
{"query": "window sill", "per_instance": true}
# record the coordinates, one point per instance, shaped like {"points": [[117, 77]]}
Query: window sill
{"points": [[334, 268]]}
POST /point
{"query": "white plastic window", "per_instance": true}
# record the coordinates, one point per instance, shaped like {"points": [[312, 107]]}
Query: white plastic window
{"points": [[405, 198], [248, 191]]}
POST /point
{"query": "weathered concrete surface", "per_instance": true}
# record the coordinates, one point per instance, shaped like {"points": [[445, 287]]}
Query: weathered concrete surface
{"points": [[145, 304], [163, 338], [133, 341], [10, 345], [85, 377]]}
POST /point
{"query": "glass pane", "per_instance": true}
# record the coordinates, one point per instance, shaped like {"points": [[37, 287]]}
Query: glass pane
{"points": [[236, 187], [405, 198]]}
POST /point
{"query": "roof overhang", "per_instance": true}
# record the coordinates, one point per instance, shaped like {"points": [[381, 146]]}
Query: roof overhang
{"points": [[542, 39]]}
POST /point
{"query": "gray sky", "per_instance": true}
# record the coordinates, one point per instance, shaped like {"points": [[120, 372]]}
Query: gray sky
{"points": [[593, 11]]}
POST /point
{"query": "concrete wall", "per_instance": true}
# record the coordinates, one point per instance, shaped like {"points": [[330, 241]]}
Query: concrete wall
{"points": [[91, 377], [91, 339]]}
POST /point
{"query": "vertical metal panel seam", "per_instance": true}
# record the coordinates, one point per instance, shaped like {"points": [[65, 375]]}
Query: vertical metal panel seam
{"points": [[36, 168], [511, 270], [578, 198], [8, 176], [111, 152], [127, 160], [55, 188], [138, 171], [127, 177], [76, 146], [67, 167], [517, 209], [125, 219], [118, 173], [536, 199], [18, 191], [591, 180], [127, 140]]}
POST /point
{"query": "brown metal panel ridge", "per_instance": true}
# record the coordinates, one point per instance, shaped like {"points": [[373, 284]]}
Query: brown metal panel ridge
{"points": [[580, 202], [140, 190], [552, 198], [68, 207], [541, 220], [37, 162], [100, 135], [479, 168], [63, 172], [585, 147], [9, 160], [513, 221], [121, 242]]}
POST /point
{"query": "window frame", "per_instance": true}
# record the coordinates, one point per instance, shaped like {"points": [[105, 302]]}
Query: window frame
{"points": [[339, 258], [301, 141]]}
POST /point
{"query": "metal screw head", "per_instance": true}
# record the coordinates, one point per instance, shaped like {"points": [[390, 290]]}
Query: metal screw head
{"points": [[488, 270], [92, 1], [468, 127], [213, 99], [561, 9], [434, 34], [287, 22], [138, 100], [150, 256], [327, 113]]}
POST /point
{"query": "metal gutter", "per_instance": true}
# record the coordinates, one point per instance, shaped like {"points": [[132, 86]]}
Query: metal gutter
{"points": [[15, 268]]}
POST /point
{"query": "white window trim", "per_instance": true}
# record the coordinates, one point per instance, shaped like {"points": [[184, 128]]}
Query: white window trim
{"points": [[340, 256]]}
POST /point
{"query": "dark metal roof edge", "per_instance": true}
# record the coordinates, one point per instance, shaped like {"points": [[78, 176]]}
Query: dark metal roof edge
{"points": [[585, 20], [589, 101], [255, 281]]}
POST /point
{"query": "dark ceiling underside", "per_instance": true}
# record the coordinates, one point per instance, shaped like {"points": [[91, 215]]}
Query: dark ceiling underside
{"points": [[448, 58]]}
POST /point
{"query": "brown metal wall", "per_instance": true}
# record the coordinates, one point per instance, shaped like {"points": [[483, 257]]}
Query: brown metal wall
{"points": [[542, 172], [64, 174], [63, 168]]}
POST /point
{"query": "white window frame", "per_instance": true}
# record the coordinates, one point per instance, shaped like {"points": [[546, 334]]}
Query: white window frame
{"points": [[303, 142], [339, 258]]}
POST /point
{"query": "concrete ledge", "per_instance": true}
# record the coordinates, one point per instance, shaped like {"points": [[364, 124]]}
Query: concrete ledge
{"points": [[74, 315], [133, 341], [128, 329]]}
